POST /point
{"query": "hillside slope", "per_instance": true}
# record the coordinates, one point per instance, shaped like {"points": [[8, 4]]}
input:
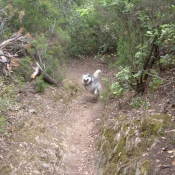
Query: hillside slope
{"points": [[65, 131]]}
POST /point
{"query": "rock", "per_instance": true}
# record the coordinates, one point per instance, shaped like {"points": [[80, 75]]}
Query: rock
{"points": [[33, 111], [45, 165]]}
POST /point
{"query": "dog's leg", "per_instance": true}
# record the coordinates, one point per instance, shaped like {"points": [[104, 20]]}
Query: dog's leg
{"points": [[96, 92]]}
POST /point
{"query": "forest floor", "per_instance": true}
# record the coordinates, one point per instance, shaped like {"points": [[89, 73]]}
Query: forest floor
{"points": [[55, 132]]}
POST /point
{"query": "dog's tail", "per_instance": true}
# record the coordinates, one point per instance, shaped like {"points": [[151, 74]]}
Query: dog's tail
{"points": [[96, 73]]}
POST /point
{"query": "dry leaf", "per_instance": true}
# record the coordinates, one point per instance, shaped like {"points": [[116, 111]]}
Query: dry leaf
{"points": [[173, 163], [157, 160], [170, 151]]}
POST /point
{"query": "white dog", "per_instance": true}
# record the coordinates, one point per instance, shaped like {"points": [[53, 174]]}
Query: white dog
{"points": [[91, 83]]}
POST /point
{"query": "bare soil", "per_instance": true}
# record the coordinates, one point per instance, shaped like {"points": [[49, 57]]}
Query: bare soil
{"points": [[81, 129]]}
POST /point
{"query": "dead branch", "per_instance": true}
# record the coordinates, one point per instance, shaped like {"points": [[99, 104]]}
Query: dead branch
{"points": [[4, 62], [38, 71], [10, 48], [4, 43], [39, 66], [9, 55]]}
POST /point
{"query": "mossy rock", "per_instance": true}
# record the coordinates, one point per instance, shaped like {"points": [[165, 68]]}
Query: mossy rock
{"points": [[119, 152]]}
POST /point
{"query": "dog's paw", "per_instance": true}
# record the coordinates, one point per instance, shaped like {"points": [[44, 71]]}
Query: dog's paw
{"points": [[96, 92]]}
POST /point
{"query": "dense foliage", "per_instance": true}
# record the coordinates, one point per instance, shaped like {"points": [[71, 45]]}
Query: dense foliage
{"points": [[139, 34]]}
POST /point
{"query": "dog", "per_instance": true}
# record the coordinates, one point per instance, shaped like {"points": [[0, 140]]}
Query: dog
{"points": [[91, 83]]}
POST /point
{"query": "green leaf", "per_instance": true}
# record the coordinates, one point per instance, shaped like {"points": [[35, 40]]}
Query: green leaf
{"points": [[126, 77], [137, 74], [149, 32]]}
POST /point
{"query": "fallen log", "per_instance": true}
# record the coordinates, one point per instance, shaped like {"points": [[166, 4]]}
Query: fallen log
{"points": [[39, 71], [48, 79]]}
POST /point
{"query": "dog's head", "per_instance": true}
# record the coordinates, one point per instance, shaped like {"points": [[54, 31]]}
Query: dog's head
{"points": [[86, 79]]}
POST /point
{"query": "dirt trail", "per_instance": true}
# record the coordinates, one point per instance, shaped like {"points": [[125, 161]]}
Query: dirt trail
{"points": [[83, 115], [53, 133]]}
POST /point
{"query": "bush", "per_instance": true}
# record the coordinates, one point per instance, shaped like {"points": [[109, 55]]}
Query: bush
{"points": [[24, 71], [40, 85]]}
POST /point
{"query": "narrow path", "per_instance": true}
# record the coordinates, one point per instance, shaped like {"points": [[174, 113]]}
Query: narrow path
{"points": [[53, 132], [80, 133]]}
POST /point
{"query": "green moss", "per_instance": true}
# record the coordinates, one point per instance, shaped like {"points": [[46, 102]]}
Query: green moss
{"points": [[120, 149], [166, 120], [110, 141], [113, 150], [111, 169], [149, 128], [118, 155], [154, 125], [133, 152], [146, 143], [146, 167], [110, 135]]}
